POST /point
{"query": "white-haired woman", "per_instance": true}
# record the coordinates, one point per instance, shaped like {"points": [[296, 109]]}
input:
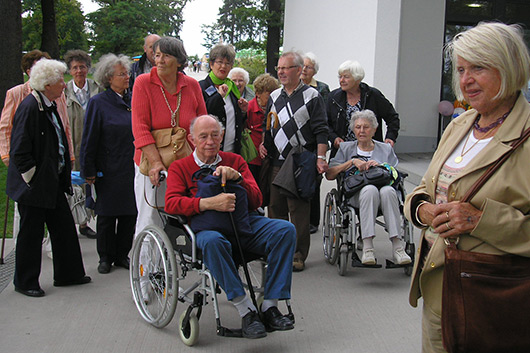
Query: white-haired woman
{"points": [[362, 154], [38, 178], [309, 70], [352, 96], [107, 160], [491, 65], [241, 78]]}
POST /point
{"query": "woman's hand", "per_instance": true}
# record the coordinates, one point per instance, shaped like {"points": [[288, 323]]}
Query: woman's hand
{"points": [[454, 218], [337, 142], [154, 173], [243, 105], [262, 151], [222, 89]]}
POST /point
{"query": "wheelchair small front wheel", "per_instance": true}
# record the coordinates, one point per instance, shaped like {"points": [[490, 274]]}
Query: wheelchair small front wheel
{"points": [[189, 331], [343, 262]]}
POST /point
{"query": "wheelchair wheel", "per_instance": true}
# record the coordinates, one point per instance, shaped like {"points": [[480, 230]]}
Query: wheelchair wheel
{"points": [[331, 227], [343, 261], [189, 333], [410, 249], [154, 276]]}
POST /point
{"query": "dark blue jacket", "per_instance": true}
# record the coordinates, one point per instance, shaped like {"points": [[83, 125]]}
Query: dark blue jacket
{"points": [[34, 143], [107, 147]]}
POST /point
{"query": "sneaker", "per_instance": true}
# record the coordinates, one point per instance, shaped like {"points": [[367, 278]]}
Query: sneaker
{"points": [[368, 257], [298, 265], [313, 229], [401, 257], [252, 326]]}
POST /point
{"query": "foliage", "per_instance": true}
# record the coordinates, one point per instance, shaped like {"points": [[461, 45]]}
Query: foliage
{"points": [[254, 66], [70, 23], [243, 23], [119, 26]]}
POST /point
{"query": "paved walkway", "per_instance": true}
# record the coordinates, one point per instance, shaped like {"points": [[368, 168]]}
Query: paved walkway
{"points": [[365, 311]]}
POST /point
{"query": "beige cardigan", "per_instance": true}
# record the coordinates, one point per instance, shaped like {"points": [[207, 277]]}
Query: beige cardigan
{"points": [[504, 200]]}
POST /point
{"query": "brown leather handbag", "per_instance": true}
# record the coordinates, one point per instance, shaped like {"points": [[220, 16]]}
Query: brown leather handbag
{"points": [[486, 298]]}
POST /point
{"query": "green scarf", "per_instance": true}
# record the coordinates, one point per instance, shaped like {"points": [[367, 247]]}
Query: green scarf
{"points": [[231, 85]]}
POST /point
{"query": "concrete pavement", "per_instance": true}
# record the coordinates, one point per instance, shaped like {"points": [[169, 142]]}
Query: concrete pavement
{"points": [[365, 311]]}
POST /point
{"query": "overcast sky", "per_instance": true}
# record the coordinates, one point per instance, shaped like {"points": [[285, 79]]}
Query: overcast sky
{"points": [[196, 13]]}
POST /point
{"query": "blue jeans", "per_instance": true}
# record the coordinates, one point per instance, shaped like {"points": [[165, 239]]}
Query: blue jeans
{"points": [[273, 238]]}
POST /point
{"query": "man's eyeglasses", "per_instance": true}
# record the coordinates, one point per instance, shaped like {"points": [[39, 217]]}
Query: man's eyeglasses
{"points": [[284, 68]]}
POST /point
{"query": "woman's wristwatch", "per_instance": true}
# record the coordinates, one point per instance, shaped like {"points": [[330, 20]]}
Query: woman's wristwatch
{"points": [[321, 157]]}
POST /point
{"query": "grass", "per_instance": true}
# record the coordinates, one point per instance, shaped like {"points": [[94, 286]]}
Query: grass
{"points": [[3, 198]]}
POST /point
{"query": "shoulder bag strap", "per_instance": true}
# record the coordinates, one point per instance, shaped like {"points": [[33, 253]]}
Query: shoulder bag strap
{"points": [[493, 168]]}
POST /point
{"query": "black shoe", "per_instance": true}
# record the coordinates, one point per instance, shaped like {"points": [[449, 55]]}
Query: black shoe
{"points": [[87, 232], [82, 280], [122, 263], [313, 229], [104, 267], [31, 292], [274, 320], [252, 327]]}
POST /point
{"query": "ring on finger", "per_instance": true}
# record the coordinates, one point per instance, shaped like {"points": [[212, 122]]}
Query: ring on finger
{"points": [[448, 226]]}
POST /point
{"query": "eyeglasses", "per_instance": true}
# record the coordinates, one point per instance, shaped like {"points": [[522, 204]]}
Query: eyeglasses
{"points": [[307, 67], [79, 68], [122, 74], [282, 68], [222, 63]]}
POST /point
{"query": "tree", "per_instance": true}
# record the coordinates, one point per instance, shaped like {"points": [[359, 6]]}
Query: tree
{"points": [[70, 23], [249, 24], [10, 55], [119, 26], [49, 41], [274, 33]]}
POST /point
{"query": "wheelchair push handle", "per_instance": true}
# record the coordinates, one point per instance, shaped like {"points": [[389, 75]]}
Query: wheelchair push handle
{"points": [[162, 175]]}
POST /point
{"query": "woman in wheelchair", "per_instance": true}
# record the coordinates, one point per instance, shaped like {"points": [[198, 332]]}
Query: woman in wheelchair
{"points": [[363, 154], [272, 238]]}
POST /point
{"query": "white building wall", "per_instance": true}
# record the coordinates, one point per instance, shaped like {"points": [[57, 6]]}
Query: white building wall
{"points": [[398, 42]]}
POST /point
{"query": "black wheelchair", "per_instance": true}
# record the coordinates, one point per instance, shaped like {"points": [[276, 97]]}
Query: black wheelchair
{"points": [[342, 234], [161, 258]]}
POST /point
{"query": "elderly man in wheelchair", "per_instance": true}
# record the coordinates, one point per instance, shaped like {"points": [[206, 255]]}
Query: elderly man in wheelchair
{"points": [[272, 238], [356, 158]]}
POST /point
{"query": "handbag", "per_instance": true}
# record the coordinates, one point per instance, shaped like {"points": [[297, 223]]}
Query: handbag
{"points": [[171, 143], [248, 150], [378, 176], [485, 306]]}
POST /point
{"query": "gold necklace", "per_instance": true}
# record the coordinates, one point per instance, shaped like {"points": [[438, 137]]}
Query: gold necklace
{"points": [[459, 159]]}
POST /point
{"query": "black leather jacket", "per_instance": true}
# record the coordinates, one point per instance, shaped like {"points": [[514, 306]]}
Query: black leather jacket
{"points": [[371, 98]]}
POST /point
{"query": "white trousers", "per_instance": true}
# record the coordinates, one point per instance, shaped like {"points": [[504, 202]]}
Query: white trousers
{"points": [[147, 199], [369, 200]]}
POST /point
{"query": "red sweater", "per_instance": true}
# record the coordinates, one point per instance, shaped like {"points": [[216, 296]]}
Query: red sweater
{"points": [[255, 117], [150, 111], [181, 190]]}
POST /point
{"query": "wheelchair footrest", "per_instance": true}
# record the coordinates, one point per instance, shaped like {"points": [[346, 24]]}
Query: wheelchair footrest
{"points": [[356, 262], [226, 332], [391, 264]]}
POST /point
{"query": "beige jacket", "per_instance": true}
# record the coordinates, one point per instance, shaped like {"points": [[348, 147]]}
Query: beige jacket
{"points": [[505, 200], [76, 113]]}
